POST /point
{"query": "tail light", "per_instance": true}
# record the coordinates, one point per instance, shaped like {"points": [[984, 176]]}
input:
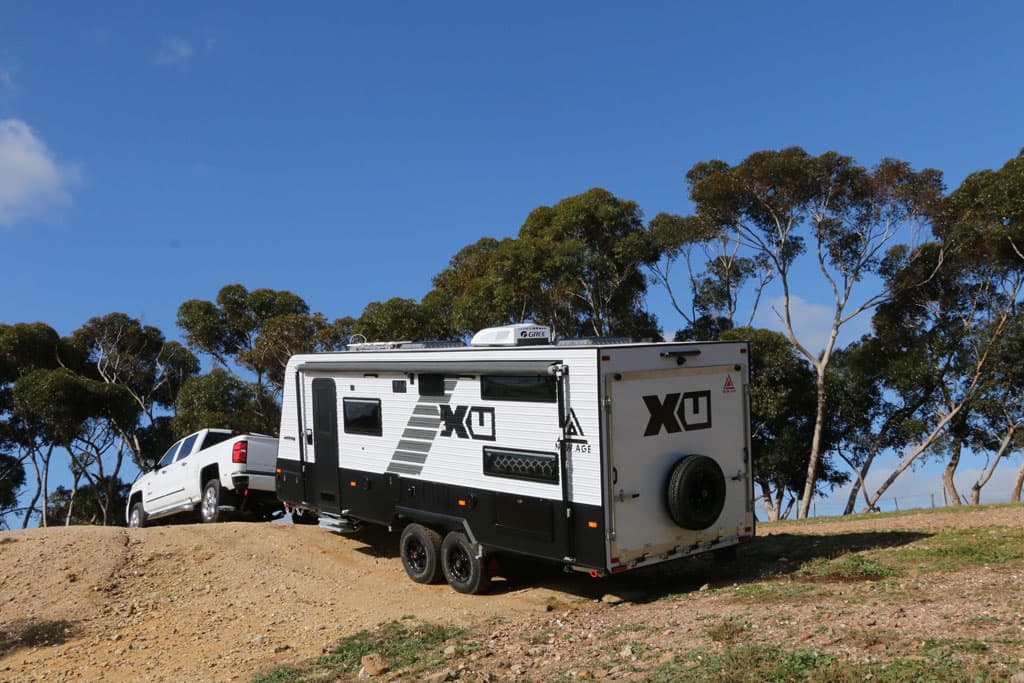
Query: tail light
{"points": [[240, 451]]}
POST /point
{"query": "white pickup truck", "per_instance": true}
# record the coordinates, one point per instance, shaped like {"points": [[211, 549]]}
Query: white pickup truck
{"points": [[216, 471]]}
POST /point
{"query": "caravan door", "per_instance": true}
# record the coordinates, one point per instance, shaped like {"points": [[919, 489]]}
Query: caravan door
{"points": [[324, 484]]}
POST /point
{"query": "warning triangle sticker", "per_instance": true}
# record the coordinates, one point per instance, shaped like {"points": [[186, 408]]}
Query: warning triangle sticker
{"points": [[729, 387], [573, 428]]}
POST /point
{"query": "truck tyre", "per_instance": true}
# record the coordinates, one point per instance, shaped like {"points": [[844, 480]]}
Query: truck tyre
{"points": [[137, 516], [696, 492], [464, 572], [209, 506], [420, 548]]}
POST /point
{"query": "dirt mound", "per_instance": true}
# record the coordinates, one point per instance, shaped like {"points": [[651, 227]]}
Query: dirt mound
{"points": [[222, 602]]}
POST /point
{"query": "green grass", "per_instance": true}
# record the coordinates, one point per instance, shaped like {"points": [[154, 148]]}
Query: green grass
{"points": [[963, 548], [406, 646], [758, 663], [850, 567], [728, 630]]}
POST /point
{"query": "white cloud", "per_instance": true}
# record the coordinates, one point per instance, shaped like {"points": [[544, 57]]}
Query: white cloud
{"points": [[32, 181], [174, 50]]}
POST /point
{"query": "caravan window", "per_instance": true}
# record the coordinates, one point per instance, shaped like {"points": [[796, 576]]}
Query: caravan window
{"points": [[362, 416], [535, 388], [431, 385]]}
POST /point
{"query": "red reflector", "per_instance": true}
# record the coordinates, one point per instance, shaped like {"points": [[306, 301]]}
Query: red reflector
{"points": [[615, 560], [606, 357], [620, 568], [743, 350], [240, 451]]}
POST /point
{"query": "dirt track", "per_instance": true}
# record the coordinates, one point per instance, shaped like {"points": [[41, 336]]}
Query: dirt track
{"points": [[223, 602]]}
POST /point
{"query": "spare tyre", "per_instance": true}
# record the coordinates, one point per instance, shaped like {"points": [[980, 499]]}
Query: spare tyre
{"points": [[696, 492]]}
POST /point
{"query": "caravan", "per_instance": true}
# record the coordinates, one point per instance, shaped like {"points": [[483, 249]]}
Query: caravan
{"points": [[599, 454]]}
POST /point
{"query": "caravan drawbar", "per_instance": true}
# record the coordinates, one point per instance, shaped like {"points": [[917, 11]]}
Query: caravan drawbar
{"points": [[598, 455]]}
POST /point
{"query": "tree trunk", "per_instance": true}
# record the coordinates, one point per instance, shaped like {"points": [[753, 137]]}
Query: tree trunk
{"points": [[35, 496], [45, 520], [947, 474], [771, 507], [71, 500], [812, 460], [1004, 446], [1018, 485]]}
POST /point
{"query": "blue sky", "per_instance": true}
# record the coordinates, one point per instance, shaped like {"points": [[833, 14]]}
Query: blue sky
{"points": [[154, 152]]}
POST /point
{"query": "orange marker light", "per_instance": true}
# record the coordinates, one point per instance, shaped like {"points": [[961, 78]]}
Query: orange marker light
{"points": [[592, 525], [352, 484], [462, 503]]}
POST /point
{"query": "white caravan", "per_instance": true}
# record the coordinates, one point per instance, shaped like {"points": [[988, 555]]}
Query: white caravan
{"points": [[602, 456]]}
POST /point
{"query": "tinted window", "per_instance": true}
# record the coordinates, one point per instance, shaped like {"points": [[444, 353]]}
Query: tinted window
{"points": [[362, 416], [213, 438], [186, 447], [431, 385], [168, 457], [538, 388]]}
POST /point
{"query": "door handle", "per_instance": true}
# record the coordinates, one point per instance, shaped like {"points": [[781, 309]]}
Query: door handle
{"points": [[309, 436]]}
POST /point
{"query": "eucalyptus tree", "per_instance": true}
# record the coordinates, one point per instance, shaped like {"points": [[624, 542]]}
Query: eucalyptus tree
{"points": [[221, 399], [877, 389], [24, 348], [776, 203], [252, 332], [586, 255], [118, 349], [78, 415], [958, 299], [716, 273]]}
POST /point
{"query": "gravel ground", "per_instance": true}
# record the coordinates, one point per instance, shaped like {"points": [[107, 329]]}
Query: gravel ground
{"points": [[224, 602]]}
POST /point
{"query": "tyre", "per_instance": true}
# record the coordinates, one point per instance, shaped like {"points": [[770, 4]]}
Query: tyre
{"points": [[420, 548], [209, 507], [300, 516], [696, 492], [137, 516], [463, 570]]}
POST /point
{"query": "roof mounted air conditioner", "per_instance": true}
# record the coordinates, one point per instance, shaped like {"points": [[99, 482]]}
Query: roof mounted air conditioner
{"points": [[521, 334]]}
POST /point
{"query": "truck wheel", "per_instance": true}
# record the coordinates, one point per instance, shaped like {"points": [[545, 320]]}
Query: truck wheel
{"points": [[420, 548], [137, 516], [464, 572], [209, 508], [696, 492]]}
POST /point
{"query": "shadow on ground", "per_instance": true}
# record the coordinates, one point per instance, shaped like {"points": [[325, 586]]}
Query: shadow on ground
{"points": [[765, 557]]}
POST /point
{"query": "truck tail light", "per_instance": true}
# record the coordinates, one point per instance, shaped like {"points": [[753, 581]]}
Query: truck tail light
{"points": [[240, 451]]}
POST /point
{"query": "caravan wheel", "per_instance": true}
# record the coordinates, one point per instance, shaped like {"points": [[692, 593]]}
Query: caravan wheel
{"points": [[696, 492], [464, 571], [420, 549]]}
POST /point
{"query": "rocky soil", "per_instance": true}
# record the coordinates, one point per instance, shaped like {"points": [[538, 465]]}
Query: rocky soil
{"points": [[224, 602]]}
